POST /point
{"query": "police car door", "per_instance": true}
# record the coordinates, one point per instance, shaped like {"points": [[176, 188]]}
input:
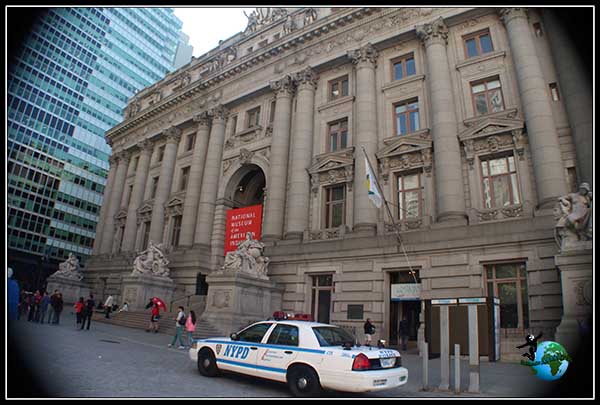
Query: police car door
{"points": [[240, 355], [279, 351]]}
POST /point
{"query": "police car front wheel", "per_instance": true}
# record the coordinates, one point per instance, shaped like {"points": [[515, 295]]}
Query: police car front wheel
{"points": [[207, 364], [303, 381]]}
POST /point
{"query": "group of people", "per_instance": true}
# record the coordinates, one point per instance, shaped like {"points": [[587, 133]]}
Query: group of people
{"points": [[35, 306], [183, 323]]}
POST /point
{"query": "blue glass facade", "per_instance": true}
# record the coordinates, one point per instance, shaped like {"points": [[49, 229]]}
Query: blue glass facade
{"points": [[67, 84]]}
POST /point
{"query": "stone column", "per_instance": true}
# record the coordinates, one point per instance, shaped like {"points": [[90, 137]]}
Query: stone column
{"points": [[576, 91], [278, 170], [105, 204], [365, 60], [115, 200], [301, 157], [163, 188], [543, 137], [450, 195], [137, 195], [210, 177], [192, 195]]}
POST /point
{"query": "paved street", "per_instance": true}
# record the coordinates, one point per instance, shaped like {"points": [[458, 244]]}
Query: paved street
{"points": [[114, 361]]}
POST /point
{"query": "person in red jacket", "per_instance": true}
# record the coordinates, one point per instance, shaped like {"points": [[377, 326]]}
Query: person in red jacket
{"points": [[154, 317], [78, 309]]}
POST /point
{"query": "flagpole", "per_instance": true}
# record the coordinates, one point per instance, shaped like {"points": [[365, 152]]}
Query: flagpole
{"points": [[389, 213]]}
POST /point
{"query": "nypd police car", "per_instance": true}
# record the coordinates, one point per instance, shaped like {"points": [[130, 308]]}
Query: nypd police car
{"points": [[307, 356]]}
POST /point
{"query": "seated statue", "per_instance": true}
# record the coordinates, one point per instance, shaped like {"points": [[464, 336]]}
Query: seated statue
{"points": [[574, 216], [247, 258], [70, 268]]}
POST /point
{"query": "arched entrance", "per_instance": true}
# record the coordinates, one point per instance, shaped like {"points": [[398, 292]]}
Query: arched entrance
{"points": [[246, 187]]}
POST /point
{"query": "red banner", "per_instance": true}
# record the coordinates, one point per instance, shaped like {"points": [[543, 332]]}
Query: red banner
{"points": [[240, 221]]}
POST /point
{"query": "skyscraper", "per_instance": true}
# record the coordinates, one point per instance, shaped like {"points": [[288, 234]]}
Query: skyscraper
{"points": [[67, 84]]}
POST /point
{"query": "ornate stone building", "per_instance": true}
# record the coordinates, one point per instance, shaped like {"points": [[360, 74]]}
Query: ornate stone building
{"points": [[474, 122]]}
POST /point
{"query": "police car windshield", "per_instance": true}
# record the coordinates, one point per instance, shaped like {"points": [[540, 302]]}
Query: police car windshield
{"points": [[332, 336]]}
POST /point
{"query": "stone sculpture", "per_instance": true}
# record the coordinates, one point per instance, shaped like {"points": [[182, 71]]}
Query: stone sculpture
{"points": [[151, 261], [310, 15], [289, 25], [70, 268], [574, 213], [247, 258]]}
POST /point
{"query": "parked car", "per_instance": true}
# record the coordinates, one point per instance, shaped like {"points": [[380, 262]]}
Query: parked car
{"points": [[308, 356]]}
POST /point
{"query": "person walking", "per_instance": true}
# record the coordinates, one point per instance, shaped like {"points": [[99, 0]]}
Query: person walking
{"points": [[31, 306], [44, 303], [369, 331], [13, 297], [190, 327], [37, 298], [179, 325], [22, 304], [88, 311], [154, 318], [403, 327], [58, 308], [52, 313], [79, 305], [108, 306]]}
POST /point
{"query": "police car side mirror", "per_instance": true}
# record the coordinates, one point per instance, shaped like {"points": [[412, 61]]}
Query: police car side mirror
{"points": [[233, 336]]}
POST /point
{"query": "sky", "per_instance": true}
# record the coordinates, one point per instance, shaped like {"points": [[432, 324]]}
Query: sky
{"points": [[207, 26]]}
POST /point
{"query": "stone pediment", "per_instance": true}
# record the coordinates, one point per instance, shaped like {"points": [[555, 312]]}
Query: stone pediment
{"points": [[491, 126], [121, 214], [403, 145], [333, 161]]}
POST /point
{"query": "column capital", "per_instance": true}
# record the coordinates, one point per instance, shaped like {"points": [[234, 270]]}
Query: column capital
{"points": [[173, 134], [202, 119], [306, 79], [112, 160], [366, 54], [145, 146], [509, 13], [284, 86], [123, 156], [434, 32], [219, 113]]}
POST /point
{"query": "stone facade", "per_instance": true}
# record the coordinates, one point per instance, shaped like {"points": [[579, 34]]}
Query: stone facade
{"points": [[455, 237]]}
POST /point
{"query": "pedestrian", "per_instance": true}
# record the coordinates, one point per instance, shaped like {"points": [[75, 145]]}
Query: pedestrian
{"points": [[79, 305], [369, 331], [37, 298], [179, 325], [52, 313], [108, 306], [88, 311], [13, 297], [44, 303], [154, 318], [190, 327], [58, 308], [124, 308], [22, 304], [403, 327]]}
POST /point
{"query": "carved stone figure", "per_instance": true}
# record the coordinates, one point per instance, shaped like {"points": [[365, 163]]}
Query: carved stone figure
{"points": [[230, 54], [70, 268], [151, 261], [132, 108], [247, 258], [310, 15], [574, 216], [252, 21], [289, 25]]}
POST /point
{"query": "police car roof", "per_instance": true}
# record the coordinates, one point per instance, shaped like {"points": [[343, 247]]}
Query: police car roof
{"points": [[301, 323]]}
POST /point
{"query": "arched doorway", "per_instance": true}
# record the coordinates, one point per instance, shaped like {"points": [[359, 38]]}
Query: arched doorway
{"points": [[246, 187]]}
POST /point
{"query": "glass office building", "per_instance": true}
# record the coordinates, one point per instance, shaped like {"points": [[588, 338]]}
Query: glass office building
{"points": [[67, 84]]}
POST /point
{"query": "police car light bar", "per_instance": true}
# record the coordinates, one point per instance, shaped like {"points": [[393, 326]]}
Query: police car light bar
{"points": [[280, 316]]}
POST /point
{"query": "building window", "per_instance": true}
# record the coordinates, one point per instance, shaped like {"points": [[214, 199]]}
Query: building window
{"points": [[537, 28], [233, 124], [335, 206], [337, 133], [146, 235], [554, 92], [322, 289], [508, 282], [185, 175], [262, 44], [403, 66], [253, 117], [272, 112], [572, 179], [500, 186], [176, 230], [487, 96], [410, 195], [129, 193], [478, 43], [406, 117], [338, 88], [154, 187], [135, 163], [161, 153], [191, 141]]}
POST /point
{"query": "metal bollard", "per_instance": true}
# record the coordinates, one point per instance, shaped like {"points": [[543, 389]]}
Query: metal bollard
{"points": [[457, 368], [425, 351]]}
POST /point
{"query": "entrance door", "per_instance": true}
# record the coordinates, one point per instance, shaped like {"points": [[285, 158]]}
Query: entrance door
{"points": [[321, 298]]}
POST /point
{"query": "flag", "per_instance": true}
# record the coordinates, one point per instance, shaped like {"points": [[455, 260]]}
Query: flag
{"points": [[374, 194]]}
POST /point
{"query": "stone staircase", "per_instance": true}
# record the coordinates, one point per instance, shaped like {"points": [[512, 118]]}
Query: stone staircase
{"points": [[166, 324]]}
